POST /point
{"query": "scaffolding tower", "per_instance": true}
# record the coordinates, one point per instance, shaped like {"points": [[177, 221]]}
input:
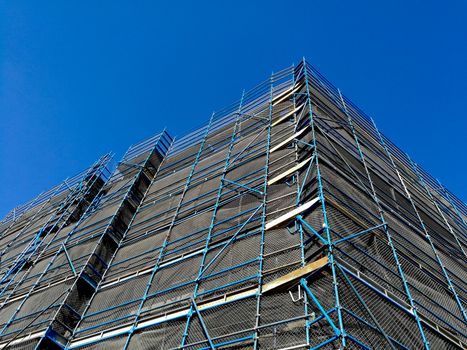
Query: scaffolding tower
{"points": [[289, 221]]}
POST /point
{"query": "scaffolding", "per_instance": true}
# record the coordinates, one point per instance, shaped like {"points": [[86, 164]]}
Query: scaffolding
{"points": [[289, 221]]}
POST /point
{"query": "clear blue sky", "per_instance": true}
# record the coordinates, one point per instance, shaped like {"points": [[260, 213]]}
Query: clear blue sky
{"points": [[80, 78]]}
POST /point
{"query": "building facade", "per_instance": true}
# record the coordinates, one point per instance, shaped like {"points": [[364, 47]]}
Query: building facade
{"points": [[288, 221]]}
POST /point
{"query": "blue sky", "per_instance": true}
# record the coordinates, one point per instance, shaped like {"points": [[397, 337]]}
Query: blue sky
{"points": [[81, 78]]}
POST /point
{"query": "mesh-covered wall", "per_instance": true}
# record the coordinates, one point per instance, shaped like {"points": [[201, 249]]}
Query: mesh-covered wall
{"points": [[287, 222]]}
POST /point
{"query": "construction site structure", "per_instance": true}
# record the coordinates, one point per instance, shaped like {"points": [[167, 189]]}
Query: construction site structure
{"points": [[288, 221]]}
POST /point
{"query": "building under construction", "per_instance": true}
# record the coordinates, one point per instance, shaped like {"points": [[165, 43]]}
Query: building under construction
{"points": [[288, 221]]}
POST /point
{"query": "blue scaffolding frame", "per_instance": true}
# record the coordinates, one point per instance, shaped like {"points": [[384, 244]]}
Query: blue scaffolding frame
{"points": [[209, 240]]}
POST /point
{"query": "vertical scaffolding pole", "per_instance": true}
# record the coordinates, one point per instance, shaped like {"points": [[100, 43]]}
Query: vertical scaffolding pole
{"points": [[263, 217], [385, 227], [331, 259], [167, 237], [298, 223], [211, 227]]}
